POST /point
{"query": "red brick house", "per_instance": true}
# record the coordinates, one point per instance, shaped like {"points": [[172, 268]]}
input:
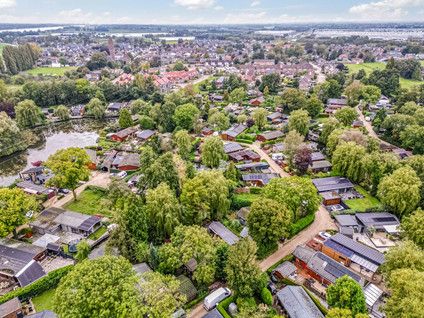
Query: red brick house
{"points": [[123, 134], [93, 157], [11, 309]]}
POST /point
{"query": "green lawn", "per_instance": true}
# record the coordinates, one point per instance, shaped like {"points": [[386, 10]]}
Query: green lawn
{"points": [[362, 205], [248, 196], [88, 202], [58, 71], [196, 86], [44, 301], [96, 235]]}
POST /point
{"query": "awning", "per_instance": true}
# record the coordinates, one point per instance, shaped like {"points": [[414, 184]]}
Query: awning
{"points": [[372, 293], [392, 229], [364, 263]]}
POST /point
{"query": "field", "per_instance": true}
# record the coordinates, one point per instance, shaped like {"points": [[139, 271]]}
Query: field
{"points": [[206, 81], [362, 205], [57, 71], [44, 301], [88, 202]]}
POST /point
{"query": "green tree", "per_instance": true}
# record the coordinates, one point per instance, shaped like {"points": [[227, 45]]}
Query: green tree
{"points": [[231, 173], [400, 191], [153, 257], [413, 136], [95, 108], [299, 121], [146, 122], [244, 275], [140, 107], [371, 94], [221, 259], [334, 89], [266, 91], [241, 119], [221, 121], [62, 112], [121, 238], [347, 159], [292, 99], [27, 113], [346, 115], [178, 66], [183, 143], [238, 95], [347, 294], [83, 250], [409, 108], [333, 141], [330, 124], [11, 137], [15, 209], [292, 142], [314, 106], [97, 61], [213, 151], [259, 116], [125, 119], [353, 92], [413, 227], [184, 115], [268, 221], [343, 313]]}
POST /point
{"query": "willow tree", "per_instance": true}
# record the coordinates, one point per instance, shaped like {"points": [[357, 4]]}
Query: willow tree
{"points": [[27, 113], [347, 159], [95, 108], [62, 112], [212, 151]]}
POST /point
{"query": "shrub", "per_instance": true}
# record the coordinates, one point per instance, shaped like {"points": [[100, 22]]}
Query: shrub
{"points": [[245, 302], [265, 250], [266, 296], [301, 224], [255, 190], [334, 213], [202, 295], [237, 203], [223, 306], [96, 188]]}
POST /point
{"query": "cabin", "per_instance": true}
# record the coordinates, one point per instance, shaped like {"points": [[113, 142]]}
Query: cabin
{"points": [[218, 229], [129, 161], [320, 166], [360, 222], [232, 147], [284, 270], [123, 134], [331, 198], [257, 101], [145, 135], [258, 180], [233, 132], [275, 117], [337, 184], [297, 303], [11, 309], [207, 131], [93, 158], [358, 124], [30, 187], [244, 155], [253, 166], [269, 136], [114, 107]]}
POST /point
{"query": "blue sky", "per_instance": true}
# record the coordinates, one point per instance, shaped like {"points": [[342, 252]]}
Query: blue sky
{"points": [[208, 11]]}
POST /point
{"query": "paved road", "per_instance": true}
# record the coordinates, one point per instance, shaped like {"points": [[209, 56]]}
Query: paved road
{"points": [[276, 168], [181, 86], [320, 75], [368, 126]]}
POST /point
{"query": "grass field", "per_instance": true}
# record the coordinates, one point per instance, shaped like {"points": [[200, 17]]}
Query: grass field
{"points": [[57, 71], [44, 301], [248, 196], [362, 205], [88, 202]]}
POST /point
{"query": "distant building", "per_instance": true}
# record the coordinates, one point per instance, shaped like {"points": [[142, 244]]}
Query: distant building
{"points": [[111, 47]]}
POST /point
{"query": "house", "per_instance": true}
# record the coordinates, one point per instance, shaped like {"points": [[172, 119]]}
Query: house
{"points": [[11, 309], [331, 198], [297, 303], [93, 158], [257, 101], [320, 166], [218, 229], [253, 166], [358, 124], [34, 174], [349, 252], [381, 221], [244, 155], [318, 156], [43, 314], [123, 134], [259, 180], [145, 135], [20, 261], [214, 313], [334, 104], [216, 98], [32, 188], [207, 131], [347, 224], [275, 117], [233, 132], [242, 215], [114, 107], [129, 161], [232, 147], [77, 110], [268, 136], [284, 270], [337, 184]]}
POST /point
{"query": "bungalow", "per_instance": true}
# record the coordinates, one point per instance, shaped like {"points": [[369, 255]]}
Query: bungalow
{"points": [[320, 166], [259, 180], [123, 134], [257, 101], [253, 166], [358, 124], [284, 270], [232, 147], [77, 110], [114, 107], [93, 158], [207, 131], [318, 156], [129, 161], [233, 132], [268, 136], [274, 118], [381, 221], [145, 135], [337, 184], [218, 229], [244, 155], [30, 187], [11, 309], [330, 198], [297, 303]]}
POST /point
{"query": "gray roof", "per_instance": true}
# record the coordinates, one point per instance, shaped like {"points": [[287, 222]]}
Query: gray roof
{"points": [[264, 177], [332, 184], [10, 307], [274, 115], [92, 154], [318, 156], [130, 159], [29, 185], [213, 314], [219, 229], [272, 135], [46, 219], [377, 219], [330, 195], [346, 220], [297, 303], [232, 147], [71, 218], [244, 153], [145, 134], [320, 164], [242, 213], [43, 314], [30, 273], [89, 223], [303, 253], [256, 165], [235, 130], [285, 269], [141, 268]]}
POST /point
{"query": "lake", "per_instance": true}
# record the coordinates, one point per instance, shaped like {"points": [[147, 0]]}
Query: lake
{"points": [[73, 133]]}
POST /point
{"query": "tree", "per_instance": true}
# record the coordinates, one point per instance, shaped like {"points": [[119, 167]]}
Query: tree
{"points": [[243, 273], [11, 137], [27, 113], [272, 81], [69, 167], [184, 115], [347, 159], [183, 143], [413, 136], [62, 112], [140, 107], [292, 99], [221, 259], [413, 227], [346, 115], [334, 89], [97, 61], [15, 209], [268, 221], [314, 106], [321, 90], [397, 123], [231, 173], [241, 119], [259, 116], [189, 90], [400, 191], [164, 211], [266, 91], [178, 66], [220, 120], [153, 257], [344, 313], [299, 121], [212, 151], [303, 159], [83, 250], [125, 119], [146, 122], [95, 108], [371, 94], [409, 108], [121, 238], [292, 143], [330, 124], [353, 92], [347, 294], [298, 194], [238, 95]]}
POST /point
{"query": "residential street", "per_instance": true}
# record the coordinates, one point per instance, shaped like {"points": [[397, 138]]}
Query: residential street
{"points": [[368, 126], [202, 78]]}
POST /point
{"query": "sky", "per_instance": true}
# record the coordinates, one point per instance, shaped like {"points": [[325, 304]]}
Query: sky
{"points": [[209, 11]]}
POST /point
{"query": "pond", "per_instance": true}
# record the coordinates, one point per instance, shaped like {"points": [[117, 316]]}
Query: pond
{"points": [[73, 133]]}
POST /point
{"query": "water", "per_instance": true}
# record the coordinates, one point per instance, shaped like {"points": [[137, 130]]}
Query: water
{"points": [[73, 133], [32, 29]]}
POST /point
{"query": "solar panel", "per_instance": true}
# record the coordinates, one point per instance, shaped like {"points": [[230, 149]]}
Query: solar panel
{"points": [[88, 224], [338, 248]]}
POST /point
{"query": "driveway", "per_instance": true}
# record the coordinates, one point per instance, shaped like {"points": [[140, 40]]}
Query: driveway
{"points": [[197, 312], [276, 168], [368, 126]]}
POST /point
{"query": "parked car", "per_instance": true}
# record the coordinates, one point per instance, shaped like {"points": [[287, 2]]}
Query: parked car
{"points": [[271, 288], [274, 279], [122, 174], [324, 235], [212, 300], [63, 191]]}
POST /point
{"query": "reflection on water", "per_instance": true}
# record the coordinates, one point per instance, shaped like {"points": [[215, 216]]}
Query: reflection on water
{"points": [[74, 133]]}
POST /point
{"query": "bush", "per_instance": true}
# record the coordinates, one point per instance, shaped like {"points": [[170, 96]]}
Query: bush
{"points": [[40, 286], [237, 203], [266, 296], [202, 295], [96, 188], [223, 306], [244, 141], [245, 302], [334, 213], [265, 250], [255, 190], [301, 224]]}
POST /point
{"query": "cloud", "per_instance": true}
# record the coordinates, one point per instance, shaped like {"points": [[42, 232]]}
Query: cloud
{"points": [[106, 13], [255, 3], [384, 10], [75, 16], [241, 18], [218, 8], [195, 4], [7, 3]]}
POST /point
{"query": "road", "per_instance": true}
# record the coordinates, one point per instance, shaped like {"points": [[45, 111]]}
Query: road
{"points": [[368, 126], [320, 75], [276, 168], [183, 85]]}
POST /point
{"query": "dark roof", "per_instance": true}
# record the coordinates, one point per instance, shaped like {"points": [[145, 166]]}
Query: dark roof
{"points": [[272, 135], [257, 165], [318, 156], [126, 132], [53, 247], [264, 177], [30, 186], [43, 314], [377, 219], [213, 314], [235, 130], [206, 130], [346, 220], [242, 213], [145, 134], [30, 273], [34, 169], [274, 115], [303, 253], [331, 184], [358, 123], [10, 307], [130, 159], [320, 164], [297, 303], [244, 153], [89, 223], [232, 147], [331, 195], [219, 229]]}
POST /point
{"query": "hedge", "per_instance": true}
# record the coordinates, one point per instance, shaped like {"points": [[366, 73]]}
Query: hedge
{"points": [[194, 302], [266, 296], [301, 224], [196, 141], [237, 203], [40, 286], [96, 188], [223, 306], [244, 141], [255, 190]]}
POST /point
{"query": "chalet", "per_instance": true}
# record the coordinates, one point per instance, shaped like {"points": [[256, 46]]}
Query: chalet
{"points": [[284, 270], [297, 303], [259, 180], [349, 252], [114, 107], [318, 156], [320, 166], [233, 132], [244, 155], [360, 222], [129, 161], [93, 158], [216, 98], [30, 187], [123, 134], [358, 124], [11, 309], [232, 147], [20, 262], [275, 117], [218, 229], [257, 101], [330, 198], [337, 184], [253, 166], [77, 110], [207, 131], [268, 136], [145, 135]]}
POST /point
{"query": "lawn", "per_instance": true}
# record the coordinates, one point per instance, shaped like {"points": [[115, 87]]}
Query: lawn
{"points": [[58, 71], [88, 202], [96, 235], [248, 196], [362, 205], [206, 81], [44, 301]]}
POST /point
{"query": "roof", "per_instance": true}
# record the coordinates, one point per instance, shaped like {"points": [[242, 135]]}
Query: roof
{"points": [[318, 156], [377, 219], [303, 253], [10, 307], [33, 188], [46, 219], [264, 177], [274, 115], [130, 159], [146, 134], [213, 314], [71, 218], [272, 135], [285, 269], [235, 130], [43, 314], [126, 132], [30, 273], [141, 268], [223, 232], [297, 303], [257, 165], [331, 195], [242, 213], [232, 147], [346, 220], [320, 164], [337, 101], [46, 239], [244, 153], [89, 223], [34, 169], [186, 287], [331, 184], [357, 123], [372, 293]]}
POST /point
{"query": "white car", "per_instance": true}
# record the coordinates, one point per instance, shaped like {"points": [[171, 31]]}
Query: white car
{"points": [[324, 235]]}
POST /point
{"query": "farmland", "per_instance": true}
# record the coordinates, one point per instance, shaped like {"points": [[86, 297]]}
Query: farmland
{"points": [[56, 71]]}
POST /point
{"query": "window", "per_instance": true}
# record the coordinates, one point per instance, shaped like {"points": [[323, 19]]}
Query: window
{"points": [[342, 258]]}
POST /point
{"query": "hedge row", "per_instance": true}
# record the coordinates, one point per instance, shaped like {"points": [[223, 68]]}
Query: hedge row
{"points": [[301, 224], [223, 306], [40, 286], [255, 190], [244, 141], [237, 203], [96, 188]]}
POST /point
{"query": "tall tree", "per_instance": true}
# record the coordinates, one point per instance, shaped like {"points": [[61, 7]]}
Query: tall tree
{"points": [[238, 95], [27, 113], [299, 121], [259, 116], [330, 124], [292, 99], [95, 108], [125, 119], [303, 159], [213, 151], [347, 294], [346, 115], [183, 143], [292, 143], [413, 227], [219, 120], [62, 112], [83, 250], [314, 106], [184, 115], [347, 159]]}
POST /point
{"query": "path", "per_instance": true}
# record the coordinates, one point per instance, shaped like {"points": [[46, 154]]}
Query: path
{"points": [[368, 126], [183, 85], [320, 75], [276, 168]]}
